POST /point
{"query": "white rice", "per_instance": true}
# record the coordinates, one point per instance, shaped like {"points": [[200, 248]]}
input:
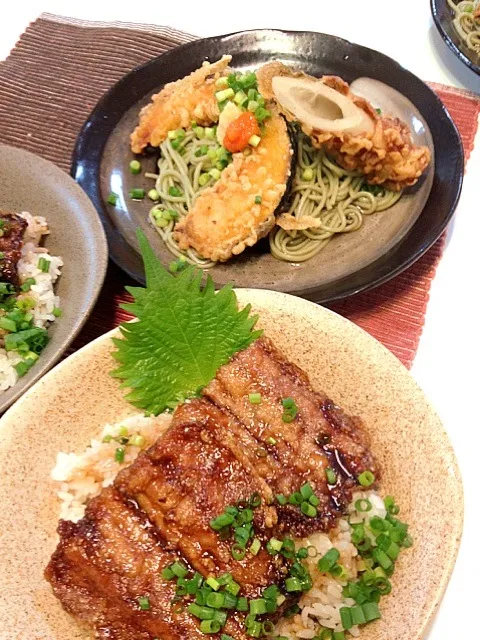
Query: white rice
{"points": [[83, 476], [42, 291]]}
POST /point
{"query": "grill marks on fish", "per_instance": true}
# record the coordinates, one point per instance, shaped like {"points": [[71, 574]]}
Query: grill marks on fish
{"points": [[217, 451], [296, 456], [12, 228], [188, 478]]}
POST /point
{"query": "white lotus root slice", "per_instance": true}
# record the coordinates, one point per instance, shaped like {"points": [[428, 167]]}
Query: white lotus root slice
{"points": [[350, 129]]}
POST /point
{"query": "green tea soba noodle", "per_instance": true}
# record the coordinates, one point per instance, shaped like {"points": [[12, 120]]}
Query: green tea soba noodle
{"points": [[466, 24], [337, 198]]}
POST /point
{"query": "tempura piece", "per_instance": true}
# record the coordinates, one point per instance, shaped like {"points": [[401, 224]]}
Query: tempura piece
{"points": [[178, 103], [349, 128], [240, 208]]}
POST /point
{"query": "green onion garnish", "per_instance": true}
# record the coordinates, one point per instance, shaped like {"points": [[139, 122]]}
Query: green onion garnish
{"points": [[258, 607], [153, 194], [57, 312], [331, 475], [135, 166], [7, 324], [254, 398], [255, 547], [281, 499], [307, 174], [363, 505], [293, 584], [112, 199], [213, 583], [137, 194], [327, 561], [238, 551], [144, 603], [308, 509], [215, 600], [223, 520], [271, 441], [210, 626], [346, 618], [258, 199], [290, 410], [27, 285], [371, 611], [224, 94], [44, 265], [174, 192], [366, 479], [119, 454]]}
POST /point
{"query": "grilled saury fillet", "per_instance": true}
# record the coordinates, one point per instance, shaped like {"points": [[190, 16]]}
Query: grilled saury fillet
{"points": [[220, 449]]}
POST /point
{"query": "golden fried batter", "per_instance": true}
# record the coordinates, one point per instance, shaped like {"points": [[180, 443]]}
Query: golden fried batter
{"points": [[178, 103], [386, 155], [225, 219]]}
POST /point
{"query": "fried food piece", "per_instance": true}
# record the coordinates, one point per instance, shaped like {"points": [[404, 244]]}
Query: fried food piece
{"points": [[178, 103], [320, 436], [240, 208], [385, 153], [12, 228]]}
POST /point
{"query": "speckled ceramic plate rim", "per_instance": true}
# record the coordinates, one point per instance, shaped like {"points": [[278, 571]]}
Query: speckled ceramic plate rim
{"points": [[438, 7], [45, 362], [274, 306]]}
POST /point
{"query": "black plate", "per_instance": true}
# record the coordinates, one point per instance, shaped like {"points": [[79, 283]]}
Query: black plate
{"points": [[443, 18], [317, 54]]}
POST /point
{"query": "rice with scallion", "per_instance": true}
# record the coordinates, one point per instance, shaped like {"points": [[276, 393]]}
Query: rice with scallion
{"points": [[318, 612], [34, 305]]}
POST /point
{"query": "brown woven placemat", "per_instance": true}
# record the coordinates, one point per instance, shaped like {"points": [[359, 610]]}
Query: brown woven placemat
{"points": [[56, 74]]}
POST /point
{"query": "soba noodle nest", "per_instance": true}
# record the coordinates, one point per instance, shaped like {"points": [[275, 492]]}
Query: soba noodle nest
{"points": [[467, 22]]}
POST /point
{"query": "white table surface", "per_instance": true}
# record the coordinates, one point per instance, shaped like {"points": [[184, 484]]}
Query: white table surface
{"points": [[446, 365]]}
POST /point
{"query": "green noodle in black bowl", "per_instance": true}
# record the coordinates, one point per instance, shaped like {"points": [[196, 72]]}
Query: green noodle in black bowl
{"points": [[386, 244]]}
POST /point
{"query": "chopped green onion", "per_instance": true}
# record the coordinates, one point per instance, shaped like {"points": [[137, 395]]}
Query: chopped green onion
{"points": [[240, 98], [331, 475], [179, 569], [346, 617], [223, 520], [167, 573], [307, 174], [153, 194], [44, 265], [224, 94], [326, 634], [201, 612], [252, 106], [7, 325], [338, 635], [57, 312], [382, 558], [258, 607], [308, 510], [306, 491], [254, 141], [213, 583], [203, 179], [144, 603], [221, 83], [255, 547], [27, 285], [291, 611], [293, 584], [112, 198], [366, 479], [290, 410], [135, 167], [238, 551], [214, 173], [379, 111], [328, 560], [338, 571], [271, 441], [295, 498], [275, 544], [302, 553], [137, 194], [210, 626], [254, 398], [174, 192], [314, 501], [281, 499], [215, 600], [261, 114], [242, 604], [371, 611], [363, 505], [119, 454]]}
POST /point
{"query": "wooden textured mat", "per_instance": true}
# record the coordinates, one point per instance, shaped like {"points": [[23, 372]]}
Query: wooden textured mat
{"points": [[56, 74]]}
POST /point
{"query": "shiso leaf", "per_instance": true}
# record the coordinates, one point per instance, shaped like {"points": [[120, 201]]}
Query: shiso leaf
{"points": [[184, 333]]}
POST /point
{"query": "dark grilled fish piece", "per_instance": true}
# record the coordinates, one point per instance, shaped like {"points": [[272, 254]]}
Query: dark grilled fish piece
{"points": [[12, 230], [288, 454], [187, 479], [220, 449], [106, 562]]}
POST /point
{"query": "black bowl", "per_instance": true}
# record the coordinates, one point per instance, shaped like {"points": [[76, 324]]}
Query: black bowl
{"points": [[443, 18], [101, 157]]}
